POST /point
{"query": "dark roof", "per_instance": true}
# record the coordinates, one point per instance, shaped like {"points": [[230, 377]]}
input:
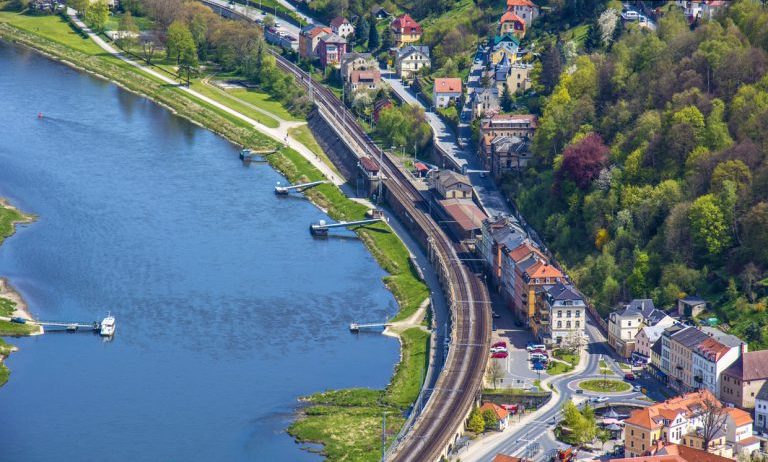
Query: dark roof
{"points": [[763, 393], [654, 317], [690, 337], [562, 291], [448, 178], [693, 298], [656, 348], [750, 366]]}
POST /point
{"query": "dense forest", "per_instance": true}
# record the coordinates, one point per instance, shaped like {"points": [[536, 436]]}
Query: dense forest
{"points": [[651, 171]]}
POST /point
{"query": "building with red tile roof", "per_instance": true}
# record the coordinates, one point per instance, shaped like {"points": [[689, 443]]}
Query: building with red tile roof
{"points": [[447, 91], [501, 414], [341, 27], [511, 23], [406, 30], [525, 9]]}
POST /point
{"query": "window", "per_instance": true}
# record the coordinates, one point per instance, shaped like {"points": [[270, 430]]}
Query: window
{"points": [[568, 314], [559, 313], [568, 325], [577, 324], [559, 324], [578, 313]]}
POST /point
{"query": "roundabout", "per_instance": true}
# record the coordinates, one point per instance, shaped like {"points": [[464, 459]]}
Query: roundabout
{"points": [[599, 385]]}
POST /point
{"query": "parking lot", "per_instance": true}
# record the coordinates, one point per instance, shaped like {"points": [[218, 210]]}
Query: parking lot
{"points": [[517, 368]]}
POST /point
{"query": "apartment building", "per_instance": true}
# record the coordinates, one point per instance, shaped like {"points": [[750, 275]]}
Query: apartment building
{"points": [[743, 380], [625, 324]]}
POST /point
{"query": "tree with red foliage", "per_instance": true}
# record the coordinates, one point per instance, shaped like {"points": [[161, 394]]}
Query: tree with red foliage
{"points": [[583, 160]]}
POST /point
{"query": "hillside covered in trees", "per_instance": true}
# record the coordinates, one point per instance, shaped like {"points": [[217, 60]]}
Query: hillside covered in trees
{"points": [[651, 172]]}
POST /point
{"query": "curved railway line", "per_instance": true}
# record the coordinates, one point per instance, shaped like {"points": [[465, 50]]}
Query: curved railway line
{"points": [[441, 421]]}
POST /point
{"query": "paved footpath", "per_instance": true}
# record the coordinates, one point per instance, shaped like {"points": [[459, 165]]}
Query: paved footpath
{"points": [[279, 134]]}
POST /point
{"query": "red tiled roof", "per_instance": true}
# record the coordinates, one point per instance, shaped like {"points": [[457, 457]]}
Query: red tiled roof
{"points": [[748, 441], [318, 30], [510, 16], [448, 85], [692, 454], [372, 76], [739, 417], [406, 24], [500, 412], [649, 417], [505, 458], [465, 213], [521, 3], [542, 269], [712, 349], [522, 251], [420, 166]]}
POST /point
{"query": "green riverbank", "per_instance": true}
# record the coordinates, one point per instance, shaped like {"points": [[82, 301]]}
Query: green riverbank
{"points": [[346, 422]]}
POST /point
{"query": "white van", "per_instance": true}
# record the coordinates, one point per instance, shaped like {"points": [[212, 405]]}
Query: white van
{"points": [[630, 15]]}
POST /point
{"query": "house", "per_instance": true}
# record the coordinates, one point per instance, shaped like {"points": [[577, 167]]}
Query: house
{"points": [[510, 23], [560, 316], [499, 236], [364, 80], [514, 260], [710, 358], [738, 432], [462, 216], [691, 306], [309, 39], [532, 273], [406, 30], [681, 346], [451, 185], [518, 77], [368, 175], [356, 62], [484, 101], [647, 337], [761, 409], [520, 125], [742, 381], [501, 414], [379, 106], [447, 91], [625, 324], [330, 49], [379, 13], [508, 154], [410, 60], [506, 49], [677, 420], [526, 9], [341, 27]]}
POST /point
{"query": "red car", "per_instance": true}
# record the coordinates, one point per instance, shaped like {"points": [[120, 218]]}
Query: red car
{"points": [[499, 344], [539, 351], [499, 355], [629, 376]]}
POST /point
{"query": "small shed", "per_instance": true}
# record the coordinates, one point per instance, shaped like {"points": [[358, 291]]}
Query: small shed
{"points": [[691, 306]]}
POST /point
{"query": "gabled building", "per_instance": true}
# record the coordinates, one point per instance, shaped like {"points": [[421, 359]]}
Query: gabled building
{"points": [[761, 409], [411, 59], [520, 125], [526, 9], [625, 324], [710, 358], [500, 414], [342, 27], [331, 49], [560, 316], [742, 381], [510, 23], [406, 30], [508, 154], [681, 347], [451, 185], [531, 274], [499, 236], [484, 101], [356, 62], [506, 49], [447, 91], [309, 39], [364, 80]]}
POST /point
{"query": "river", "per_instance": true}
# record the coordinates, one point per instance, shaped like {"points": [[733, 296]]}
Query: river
{"points": [[227, 309]]}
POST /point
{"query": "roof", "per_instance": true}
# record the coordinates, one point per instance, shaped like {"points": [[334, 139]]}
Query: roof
{"points": [[448, 178], [500, 412], [361, 76], [690, 454], [657, 347], [420, 166], [407, 24], [508, 37], [505, 458], [465, 213], [653, 332], [690, 337], [653, 416], [523, 119], [332, 38], [693, 299], [712, 349], [510, 16], [542, 269], [338, 21], [722, 337], [356, 55], [528, 3], [739, 417], [523, 250], [562, 291], [412, 49], [369, 164], [448, 85], [763, 393], [750, 366], [313, 31]]}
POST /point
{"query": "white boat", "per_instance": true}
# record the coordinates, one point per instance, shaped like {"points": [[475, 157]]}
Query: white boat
{"points": [[108, 326]]}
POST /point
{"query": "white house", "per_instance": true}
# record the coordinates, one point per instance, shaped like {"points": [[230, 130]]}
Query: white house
{"points": [[761, 409], [411, 59], [341, 27], [738, 432], [648, 335], [567, 314], [526, 9], [710, 358], [447, 91]]}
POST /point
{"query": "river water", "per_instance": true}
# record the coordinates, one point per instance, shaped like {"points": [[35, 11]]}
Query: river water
{"points": [[227, 310]]}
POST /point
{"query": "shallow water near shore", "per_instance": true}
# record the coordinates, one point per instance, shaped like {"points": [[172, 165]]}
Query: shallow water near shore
{"points": [[227, 309]]}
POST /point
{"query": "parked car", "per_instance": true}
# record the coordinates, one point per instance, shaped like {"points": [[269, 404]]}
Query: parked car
{"points": [[630, 15], [539, 357], [498, 349], [539, 351], [500, 344], [629, 376], [539, 366], [535, 346], [599, 399], [637, 388], [499, 355]]}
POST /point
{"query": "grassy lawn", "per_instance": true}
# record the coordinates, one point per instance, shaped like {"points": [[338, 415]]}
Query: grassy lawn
{"points": [[143, 22], [264, 101], [7, 307], [4, 373], [233, 102], [556, 368], [604, 369], [52, 27], [605, 386], [11, 329], [406, 383], [8, 218], [304, 135], [571, 358], [625, 366], [5, 348]]}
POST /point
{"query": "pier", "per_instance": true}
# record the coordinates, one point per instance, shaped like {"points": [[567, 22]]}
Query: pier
{"points": [[321, 228], [69, 325], [283, 190], [357, 327], [249, 155]]}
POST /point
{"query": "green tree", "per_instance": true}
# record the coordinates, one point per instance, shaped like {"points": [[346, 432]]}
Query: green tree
{"points": [[128, 31], [638, 279], [387, 39], [476, 423], [716, 133], [506, 99], [179, 42], [97, 14], [81, 6], [362, 30], [490, 419], [709, 228], [753, 333], [198, 27], [754, 225], [594, 39], [373, 38]]}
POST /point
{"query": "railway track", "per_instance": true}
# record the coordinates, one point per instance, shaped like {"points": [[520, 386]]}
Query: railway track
{"points": [[461, 379]]}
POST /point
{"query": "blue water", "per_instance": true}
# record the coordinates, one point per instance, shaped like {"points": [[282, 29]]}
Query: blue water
{"points": [[227, 310]]}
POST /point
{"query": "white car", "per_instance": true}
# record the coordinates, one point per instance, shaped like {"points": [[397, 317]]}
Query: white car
{"points": [[599, 399], [630, 15], [498, 350]]}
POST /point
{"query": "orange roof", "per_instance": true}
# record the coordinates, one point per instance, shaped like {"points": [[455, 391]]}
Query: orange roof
{"points": [[541, 269], [522, 251], [712, 349], [521, 3], [739, 417], [448, 85], [510, 16], [505, 458], [652, 416], [676, 453], [406, 24], [500, 412]]}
